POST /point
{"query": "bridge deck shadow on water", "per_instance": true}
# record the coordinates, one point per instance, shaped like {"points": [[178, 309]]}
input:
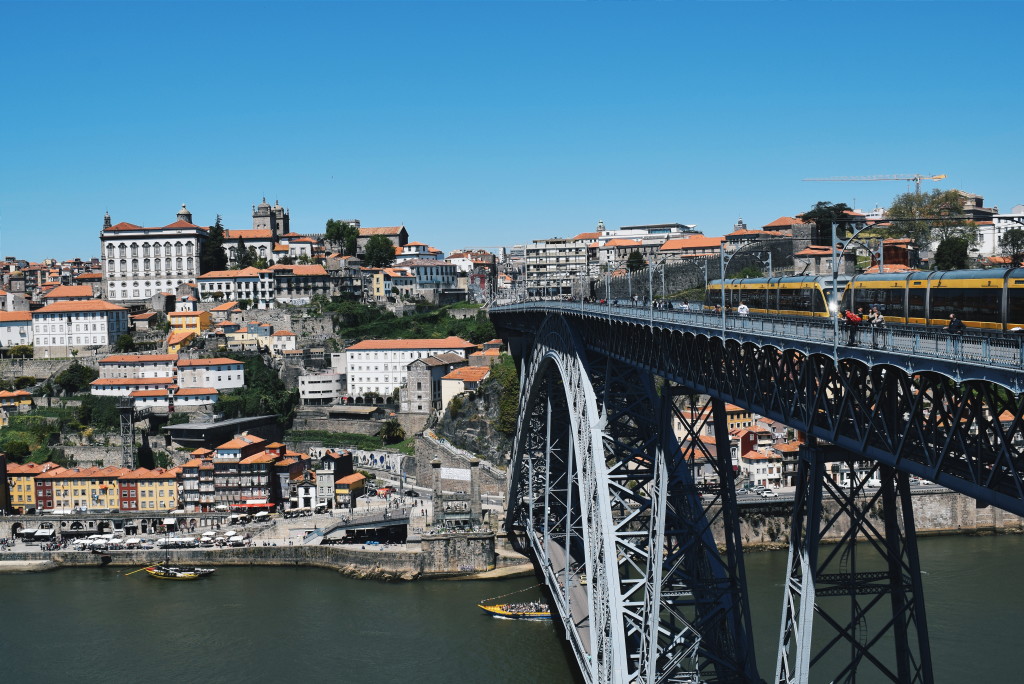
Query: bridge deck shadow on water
{"points": [[616, 406]]}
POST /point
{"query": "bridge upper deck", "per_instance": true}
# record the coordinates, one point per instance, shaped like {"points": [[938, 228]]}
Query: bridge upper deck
{"points": [[976, 355]]}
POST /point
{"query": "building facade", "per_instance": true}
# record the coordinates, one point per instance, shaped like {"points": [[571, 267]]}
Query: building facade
{"points": [[138, 262]]}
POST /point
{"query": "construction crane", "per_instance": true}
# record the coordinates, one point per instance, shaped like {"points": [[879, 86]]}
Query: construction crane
{"points": [[917, 178]]}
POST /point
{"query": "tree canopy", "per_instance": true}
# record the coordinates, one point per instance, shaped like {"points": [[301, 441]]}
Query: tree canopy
{"points": [[243, 256], [344, 234], [1011, 246], [823, 215], [635, 262], [213, 257], [951, 254], [928, 216], [380, 252]]}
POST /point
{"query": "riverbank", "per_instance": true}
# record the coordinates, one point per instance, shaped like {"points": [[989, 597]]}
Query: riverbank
{"points": [[393, 563]]}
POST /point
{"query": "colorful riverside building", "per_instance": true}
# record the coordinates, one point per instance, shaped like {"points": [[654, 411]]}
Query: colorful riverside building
{"points": [[21, 483], [149, 490], [81, 488]]}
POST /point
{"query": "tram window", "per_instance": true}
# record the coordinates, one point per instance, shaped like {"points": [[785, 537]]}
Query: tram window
{"points": [[1015, 307], [944, 301], [982, 305], [916, 298], [814, 300], [755, 299]]}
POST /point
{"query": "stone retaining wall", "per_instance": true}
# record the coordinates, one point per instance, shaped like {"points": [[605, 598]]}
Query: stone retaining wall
{"points": [[444, 555], [938, 512]]}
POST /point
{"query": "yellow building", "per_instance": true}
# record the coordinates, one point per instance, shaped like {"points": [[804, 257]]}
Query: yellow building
{"points": [[88, 488], [149, 490], [177, 340], [14, 399], [189, 321], [21, 483], [348, 489]]}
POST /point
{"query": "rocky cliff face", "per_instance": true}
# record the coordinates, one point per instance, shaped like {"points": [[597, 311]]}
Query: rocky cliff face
{"points": [[470, 423]]}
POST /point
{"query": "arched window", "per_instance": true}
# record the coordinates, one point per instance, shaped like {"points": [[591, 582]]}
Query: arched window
{"points": [[177, 263], [110, 266], [145, 264], [189, 264], [177, 249], [167, 263], [156, 249], [122, 251], [135, 265], [167, 249], [145, 249], [124, 265], [135, 249], [188, 249], [110, 251]]}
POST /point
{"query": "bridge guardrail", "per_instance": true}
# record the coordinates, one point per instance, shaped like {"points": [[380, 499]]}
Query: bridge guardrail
{"points": [[996, 349]]}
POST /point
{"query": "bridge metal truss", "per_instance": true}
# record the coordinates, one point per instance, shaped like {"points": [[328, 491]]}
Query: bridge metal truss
{"points": [[861, 589], [600, 487], [965, 435]]}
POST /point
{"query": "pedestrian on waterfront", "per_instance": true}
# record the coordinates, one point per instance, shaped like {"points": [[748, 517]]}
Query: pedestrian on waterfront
{"points": [[743, 310]]}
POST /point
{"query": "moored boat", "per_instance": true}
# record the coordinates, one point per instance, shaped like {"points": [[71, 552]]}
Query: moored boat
{"points": [[533, 610], [171, 573]]}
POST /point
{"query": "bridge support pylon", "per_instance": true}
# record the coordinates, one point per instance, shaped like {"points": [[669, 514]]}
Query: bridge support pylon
{"points": [[865, 589]]}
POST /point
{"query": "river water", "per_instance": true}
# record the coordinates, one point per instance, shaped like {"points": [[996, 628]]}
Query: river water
{"points": [[313, 625]]}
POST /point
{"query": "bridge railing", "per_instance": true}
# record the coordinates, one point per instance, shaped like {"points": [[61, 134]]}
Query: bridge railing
{"points": [[995, 348]]}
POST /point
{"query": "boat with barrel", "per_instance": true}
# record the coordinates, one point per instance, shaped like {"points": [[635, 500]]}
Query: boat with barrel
{"points": [[529, 610], [177, 572]]}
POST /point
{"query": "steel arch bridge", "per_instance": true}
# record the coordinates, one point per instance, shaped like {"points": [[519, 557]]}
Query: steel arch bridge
{"points": [[614, 410]]}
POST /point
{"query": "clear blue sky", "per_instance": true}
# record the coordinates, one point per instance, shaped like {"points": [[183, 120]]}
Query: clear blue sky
{"points": [[491, 123]]}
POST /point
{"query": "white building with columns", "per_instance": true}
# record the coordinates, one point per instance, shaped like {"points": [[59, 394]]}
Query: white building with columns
{"points": [[139, 262]]}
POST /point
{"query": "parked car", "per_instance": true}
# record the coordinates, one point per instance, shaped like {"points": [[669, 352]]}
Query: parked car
{"points": [[411, 492]]}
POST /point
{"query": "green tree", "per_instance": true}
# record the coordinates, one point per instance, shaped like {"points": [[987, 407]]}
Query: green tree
{"points": [[951, 254], [380, 252], [125, 344], [75, 378], [1011, 245], [823, 215], [635, 262], [243, 256], [213, 257], [17, 451], [930, 216], [391, 432], [20, 351], [344, 235]]}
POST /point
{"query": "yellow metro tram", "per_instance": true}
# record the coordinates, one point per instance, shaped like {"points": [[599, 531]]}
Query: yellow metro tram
{"points": [[985, 298]]}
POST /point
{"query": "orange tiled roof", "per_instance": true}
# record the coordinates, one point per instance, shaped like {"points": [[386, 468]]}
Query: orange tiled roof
{"points": [[70, 291], [389, 230], [82, 305], [783, 222], [220, 361], [15, 316], [447, 342], [468, 374], [283, 333], [692, 242], [180, 336], [226, 306], [252, 234], [139, 358], [106, 382], [301, 269], [195, 391]]}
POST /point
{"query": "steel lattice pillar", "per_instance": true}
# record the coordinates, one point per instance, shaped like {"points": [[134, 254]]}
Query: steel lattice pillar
{"points": [[846, 585], [126, 407], [599, 486], [703, 587]]}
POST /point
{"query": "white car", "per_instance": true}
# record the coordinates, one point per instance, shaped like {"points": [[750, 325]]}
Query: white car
{"points": [[769, 494]]}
